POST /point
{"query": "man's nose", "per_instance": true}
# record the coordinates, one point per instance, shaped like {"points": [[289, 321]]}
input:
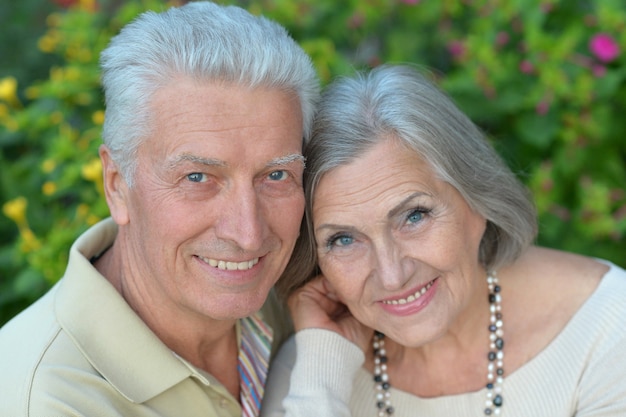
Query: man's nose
{"points": [[241, 221]]}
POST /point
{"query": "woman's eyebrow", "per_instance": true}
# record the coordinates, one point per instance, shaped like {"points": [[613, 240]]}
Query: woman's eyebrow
{"points": [[400, 206]]}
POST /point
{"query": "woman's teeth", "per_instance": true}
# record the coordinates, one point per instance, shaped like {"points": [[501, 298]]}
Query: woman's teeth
{"points": [[411, 297]]}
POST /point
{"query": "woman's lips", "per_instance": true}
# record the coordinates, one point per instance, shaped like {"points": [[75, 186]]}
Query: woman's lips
{"points": [[413, 302]]}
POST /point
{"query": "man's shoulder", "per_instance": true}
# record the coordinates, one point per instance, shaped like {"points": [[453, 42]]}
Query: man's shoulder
{"points": [[32, 348]]}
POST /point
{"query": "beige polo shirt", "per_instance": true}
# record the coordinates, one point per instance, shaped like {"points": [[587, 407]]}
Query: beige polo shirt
{"points": [[80, 350]]}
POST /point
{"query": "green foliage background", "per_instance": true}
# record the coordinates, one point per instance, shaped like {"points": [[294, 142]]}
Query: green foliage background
{"points": [[522, 69]]}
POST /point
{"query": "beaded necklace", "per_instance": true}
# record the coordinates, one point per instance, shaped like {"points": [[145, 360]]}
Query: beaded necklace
{"points": [[495, 370]]}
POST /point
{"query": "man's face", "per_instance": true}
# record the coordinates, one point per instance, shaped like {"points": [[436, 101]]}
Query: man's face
{"points": [[217, 200]]}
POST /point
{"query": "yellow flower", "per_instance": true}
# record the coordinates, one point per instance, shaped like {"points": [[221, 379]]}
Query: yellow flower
{"points": [[89, 5], [49, 188], [56, 74], [53, 19], [32, 92], [16, 210], [56, 117], [8, 89], [29, 240], [72, 73], [83, 99], [11, 125], [82, 211], [92, 171], [92, 219], [48, 42], [48, 166], [98, 117]]}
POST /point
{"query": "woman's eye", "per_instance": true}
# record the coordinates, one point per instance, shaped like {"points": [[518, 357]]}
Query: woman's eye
{"points": [[416, 216], [278, 175], [196, 177], [339, 240]]}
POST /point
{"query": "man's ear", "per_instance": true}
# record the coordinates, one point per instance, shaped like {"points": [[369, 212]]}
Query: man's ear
{"points": [[115, 187]]}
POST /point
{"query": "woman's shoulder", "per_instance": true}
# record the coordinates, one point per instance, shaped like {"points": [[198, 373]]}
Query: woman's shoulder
{"points": [[542, 291], [556, 278]]}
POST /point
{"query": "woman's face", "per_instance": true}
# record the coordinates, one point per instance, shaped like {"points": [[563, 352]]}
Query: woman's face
{"points": [[398, 245]]}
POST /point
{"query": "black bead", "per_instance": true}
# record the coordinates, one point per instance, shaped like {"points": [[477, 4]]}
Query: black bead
{"points": [[390, 410], [499, 316], [386, 386], [500, 371], [497, 400], [378, 334], [489, 385], [492, 328], [488, 411], [380, 404], [378, 378], [383, 359], [492, 356], [492, 298], [499, 343], [496, 288]]}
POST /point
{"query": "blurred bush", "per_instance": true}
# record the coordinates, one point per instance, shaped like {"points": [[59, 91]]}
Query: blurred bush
{"points": [[544, 78]]}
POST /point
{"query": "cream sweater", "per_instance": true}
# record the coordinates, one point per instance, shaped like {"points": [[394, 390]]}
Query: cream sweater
{"points": [[581, 373]]}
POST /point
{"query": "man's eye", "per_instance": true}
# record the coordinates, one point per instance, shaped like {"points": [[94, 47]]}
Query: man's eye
{"points": [[278, 175], [196, 177]]}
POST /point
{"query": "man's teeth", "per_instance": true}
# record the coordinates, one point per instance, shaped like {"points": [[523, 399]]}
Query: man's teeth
{"points": [[411, 297], [231, 266]]}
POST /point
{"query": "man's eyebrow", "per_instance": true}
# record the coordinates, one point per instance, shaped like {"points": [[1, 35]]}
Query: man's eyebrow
{"points": [[194, 159], [276, 162], [286, 160]]}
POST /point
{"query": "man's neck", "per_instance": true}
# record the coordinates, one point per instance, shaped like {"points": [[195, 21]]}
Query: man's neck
{"points": [[210, 345]]}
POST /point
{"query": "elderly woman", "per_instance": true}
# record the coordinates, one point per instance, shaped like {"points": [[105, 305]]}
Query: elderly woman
{"points": [[433, 300]]}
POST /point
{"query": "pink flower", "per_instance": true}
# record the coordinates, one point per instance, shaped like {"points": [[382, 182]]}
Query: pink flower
{"points": [[502, 38], [542, 108], [456, 48], [604, 47], [526, 67], [598, 70]]}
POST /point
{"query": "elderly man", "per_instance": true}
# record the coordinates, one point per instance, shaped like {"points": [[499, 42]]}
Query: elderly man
{"points": [[167, 308]]}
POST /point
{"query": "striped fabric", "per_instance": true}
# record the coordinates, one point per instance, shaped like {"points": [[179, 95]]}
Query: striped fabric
{"points": [[254, 353]]}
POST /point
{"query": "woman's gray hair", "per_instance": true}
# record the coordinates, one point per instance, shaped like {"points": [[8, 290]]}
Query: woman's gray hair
{"points": [[202, 41], [397, 101]]}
